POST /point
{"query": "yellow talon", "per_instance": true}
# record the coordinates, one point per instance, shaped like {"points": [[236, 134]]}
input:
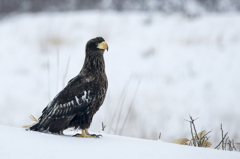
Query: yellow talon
{"points": [[86, 134]]}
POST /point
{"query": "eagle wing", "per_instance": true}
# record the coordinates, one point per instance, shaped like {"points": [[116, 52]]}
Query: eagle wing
{"points": [[73, 99]]}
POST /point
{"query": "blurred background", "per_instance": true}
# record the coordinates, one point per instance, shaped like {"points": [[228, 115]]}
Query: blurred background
{"points": [[166, 6], [167, 59]]}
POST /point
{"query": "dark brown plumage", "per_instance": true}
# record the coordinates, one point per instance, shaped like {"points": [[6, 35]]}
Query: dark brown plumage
{"points": [[76, 104]]}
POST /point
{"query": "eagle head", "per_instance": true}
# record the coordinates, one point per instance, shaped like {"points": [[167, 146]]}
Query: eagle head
{"points": [[96, 44]]}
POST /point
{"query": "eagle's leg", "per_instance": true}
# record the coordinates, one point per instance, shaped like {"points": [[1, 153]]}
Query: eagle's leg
{"points": [[86, 134], [94, 135]]}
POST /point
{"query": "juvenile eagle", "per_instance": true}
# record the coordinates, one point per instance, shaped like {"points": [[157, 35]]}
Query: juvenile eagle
{"points": [[76, 104]]}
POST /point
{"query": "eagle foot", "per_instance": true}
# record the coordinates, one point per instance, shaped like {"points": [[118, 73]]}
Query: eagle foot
{"points": [[97, 136], [94, 135], [86, 134]]}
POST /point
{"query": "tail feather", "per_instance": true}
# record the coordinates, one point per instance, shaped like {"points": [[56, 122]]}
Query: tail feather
{"points": [[34, 127], [46, 124]]}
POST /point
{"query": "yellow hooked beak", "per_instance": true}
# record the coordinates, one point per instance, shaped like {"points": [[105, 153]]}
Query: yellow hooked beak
{"points": [[103, 45]]}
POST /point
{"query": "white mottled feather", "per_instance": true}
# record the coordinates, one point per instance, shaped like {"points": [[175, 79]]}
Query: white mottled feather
{"points": [[77, 100]]}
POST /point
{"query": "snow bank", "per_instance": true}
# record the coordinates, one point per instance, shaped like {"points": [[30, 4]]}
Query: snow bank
{"points": [[18, 143]]}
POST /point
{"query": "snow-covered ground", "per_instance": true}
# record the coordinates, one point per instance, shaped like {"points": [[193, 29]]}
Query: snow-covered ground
{"points": [[176, 65], [18, 143]]}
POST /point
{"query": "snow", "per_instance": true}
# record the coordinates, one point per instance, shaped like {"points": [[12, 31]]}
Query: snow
{"points": [[18, 143], [176, 65]]}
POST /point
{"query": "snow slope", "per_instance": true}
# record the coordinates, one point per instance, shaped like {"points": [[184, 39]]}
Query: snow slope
{"points": [[176, 65], [21, 144]]}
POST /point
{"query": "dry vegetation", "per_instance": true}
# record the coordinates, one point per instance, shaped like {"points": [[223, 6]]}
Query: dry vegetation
{"points": [[202, 139]]}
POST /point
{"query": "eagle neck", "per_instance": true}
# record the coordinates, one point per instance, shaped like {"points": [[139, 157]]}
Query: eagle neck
{"points": [[94, 63]]}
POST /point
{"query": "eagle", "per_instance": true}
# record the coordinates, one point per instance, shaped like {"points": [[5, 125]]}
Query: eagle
{"points": [[75, 106]]}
